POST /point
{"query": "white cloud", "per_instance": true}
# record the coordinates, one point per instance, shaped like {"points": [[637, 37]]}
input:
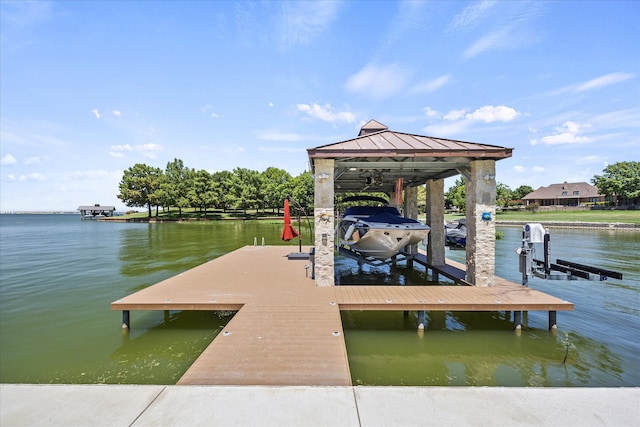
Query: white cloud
{"points": [[429, 112], [432, 85], [35, 160], [602, 81], [537, 169], [489, 114], [566, 134], [11, 177], [590, 160], [301, 22], [447, 129], [121, 147], [378, 81], [272, 135], [116, 113], [96, 113], [33, 177], [8, 160], [472, 15], [492, 41], [518, 168], [326, 114], [454, 115], [502, 25], [149, 150]]}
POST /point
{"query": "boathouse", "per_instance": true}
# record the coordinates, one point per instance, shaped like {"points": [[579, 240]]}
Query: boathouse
{"points": [[381, 160], [96, 211]]}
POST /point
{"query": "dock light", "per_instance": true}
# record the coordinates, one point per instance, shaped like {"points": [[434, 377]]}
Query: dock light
{"points": [[323, 176], [335, 333], [486, 216]]}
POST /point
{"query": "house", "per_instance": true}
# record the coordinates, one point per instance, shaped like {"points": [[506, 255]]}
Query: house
{"points": [[565, 194]]}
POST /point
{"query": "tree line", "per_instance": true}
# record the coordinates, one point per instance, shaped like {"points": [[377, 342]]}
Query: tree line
{"points": [[180, 187]]}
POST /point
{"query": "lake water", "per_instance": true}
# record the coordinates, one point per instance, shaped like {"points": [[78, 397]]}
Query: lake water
{"points": [[59, 274]]}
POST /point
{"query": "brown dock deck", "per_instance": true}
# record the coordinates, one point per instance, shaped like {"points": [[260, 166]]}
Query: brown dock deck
{"points": [[288, 331]]}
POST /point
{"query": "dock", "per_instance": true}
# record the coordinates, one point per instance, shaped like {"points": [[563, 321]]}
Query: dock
{"points": [[286, 330]]}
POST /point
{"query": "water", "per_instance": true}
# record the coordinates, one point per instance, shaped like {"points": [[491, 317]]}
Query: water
{"points": [[58, 276]]}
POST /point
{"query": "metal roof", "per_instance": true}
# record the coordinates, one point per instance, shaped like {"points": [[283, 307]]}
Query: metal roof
{"points": [[566, 190], [96, 208], [373, 160]]}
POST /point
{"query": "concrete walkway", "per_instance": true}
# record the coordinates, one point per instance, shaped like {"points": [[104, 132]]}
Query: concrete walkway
{"points": [[157, 405]]}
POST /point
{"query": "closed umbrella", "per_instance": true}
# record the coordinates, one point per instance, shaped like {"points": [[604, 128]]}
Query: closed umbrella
{"points": [[288, 232]]}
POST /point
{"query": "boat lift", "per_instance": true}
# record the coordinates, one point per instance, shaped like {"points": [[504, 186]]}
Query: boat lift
{"points": [[545, 269]]}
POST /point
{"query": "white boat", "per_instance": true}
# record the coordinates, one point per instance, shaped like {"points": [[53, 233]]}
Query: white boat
{"points": [[378, 231]]}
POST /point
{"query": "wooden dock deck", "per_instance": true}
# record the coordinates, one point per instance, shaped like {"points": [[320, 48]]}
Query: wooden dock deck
{"points": [[288, 331]]}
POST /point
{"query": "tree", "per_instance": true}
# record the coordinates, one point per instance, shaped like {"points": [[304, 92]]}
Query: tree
{"points": [[139, 186], [620, 180], [277, 186], [303, 191], [521, 191], [246, 188], [203, 191], [456, 195], [223, 185], [503, 194], [177, 184]]}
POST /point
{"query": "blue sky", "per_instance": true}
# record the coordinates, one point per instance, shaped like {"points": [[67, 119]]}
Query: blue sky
{"points": [[88, 89]]}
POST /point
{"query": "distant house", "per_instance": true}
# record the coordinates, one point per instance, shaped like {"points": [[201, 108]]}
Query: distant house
{"points": [[565, 194]]}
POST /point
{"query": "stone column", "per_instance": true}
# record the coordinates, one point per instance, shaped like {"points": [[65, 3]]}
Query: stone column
{"points": [[411, 210], [324, 223], [481, 226], [435, 220]]}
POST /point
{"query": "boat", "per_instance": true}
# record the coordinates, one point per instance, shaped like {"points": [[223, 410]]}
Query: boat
{"points": [[378, 231], [456, 234]]}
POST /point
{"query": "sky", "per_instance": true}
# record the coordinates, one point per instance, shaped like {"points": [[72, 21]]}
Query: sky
{"points": [[90, 88]]}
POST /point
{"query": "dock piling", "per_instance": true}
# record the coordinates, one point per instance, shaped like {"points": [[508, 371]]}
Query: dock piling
{"points": [[422, 315], [517, 320], [126, 322], [552, 321]]}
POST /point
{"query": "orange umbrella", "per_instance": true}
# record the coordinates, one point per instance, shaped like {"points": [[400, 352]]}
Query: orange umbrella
{"points": [[288, 232]]}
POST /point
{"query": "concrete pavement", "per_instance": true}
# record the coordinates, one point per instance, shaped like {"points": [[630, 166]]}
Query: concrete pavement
{"points": [[157, 405]]}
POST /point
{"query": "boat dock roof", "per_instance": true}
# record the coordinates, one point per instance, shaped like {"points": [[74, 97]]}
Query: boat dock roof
{"points": [[287, 331]]}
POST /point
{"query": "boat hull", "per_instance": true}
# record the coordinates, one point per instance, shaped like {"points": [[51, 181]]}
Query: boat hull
{"points": [[379, 240]]}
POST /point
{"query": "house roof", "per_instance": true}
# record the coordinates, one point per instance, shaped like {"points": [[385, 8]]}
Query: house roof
{"points": [[557, 191], [377, 156], [96, 208]]}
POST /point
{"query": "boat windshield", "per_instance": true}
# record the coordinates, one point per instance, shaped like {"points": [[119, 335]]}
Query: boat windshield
{"points": [[371, 210]]}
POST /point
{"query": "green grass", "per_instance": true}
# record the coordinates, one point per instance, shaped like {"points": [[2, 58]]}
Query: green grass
{"points": [[631, 217], [211, 214]]}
